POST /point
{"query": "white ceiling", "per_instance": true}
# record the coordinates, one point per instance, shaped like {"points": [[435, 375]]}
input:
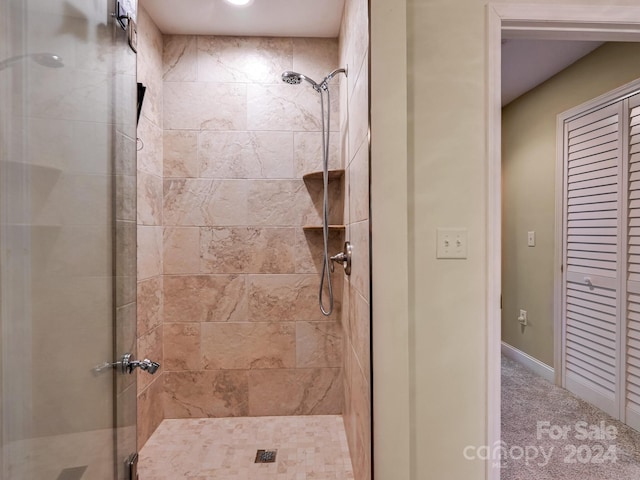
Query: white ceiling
{"points": [[525, 63], [277, 18], [528, 63]]}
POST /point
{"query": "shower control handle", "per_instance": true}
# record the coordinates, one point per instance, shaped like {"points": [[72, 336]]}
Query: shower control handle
{"points": [[344, 258]]}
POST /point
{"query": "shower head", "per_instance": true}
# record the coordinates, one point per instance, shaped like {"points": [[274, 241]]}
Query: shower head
{"points": [[49, 60], [295, 78]]}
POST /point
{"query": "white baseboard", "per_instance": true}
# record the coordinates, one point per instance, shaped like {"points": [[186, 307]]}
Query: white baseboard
{"points": [[526, 360]]}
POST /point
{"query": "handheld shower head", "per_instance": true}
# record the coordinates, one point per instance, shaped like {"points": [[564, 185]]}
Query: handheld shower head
{"points": [[295, 78]]}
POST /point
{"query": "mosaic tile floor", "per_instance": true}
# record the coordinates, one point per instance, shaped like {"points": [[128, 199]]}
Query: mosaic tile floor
{"points": [[309, 447]]}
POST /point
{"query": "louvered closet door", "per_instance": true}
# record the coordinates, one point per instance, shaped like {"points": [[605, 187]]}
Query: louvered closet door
{"points": [[633, 265], [592, 220]]}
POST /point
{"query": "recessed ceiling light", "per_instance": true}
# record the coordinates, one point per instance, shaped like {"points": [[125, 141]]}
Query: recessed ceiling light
{"points": [[239, 3]]}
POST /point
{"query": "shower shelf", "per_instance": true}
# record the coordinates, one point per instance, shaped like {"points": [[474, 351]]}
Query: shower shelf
{"points": [[319, 227], [333, 175]]}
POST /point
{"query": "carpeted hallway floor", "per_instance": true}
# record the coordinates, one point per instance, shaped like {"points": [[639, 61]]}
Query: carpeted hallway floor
{"points": [[534, 411]]}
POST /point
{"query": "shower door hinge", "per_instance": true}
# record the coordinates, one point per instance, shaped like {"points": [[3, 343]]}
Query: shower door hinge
{"points": [[131, 467]]}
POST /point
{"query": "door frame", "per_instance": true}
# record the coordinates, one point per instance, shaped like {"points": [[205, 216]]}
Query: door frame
{"points": [[532, 21]]}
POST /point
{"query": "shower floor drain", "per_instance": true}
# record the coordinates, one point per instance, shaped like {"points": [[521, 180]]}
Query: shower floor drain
{"points": [[266, 456]]}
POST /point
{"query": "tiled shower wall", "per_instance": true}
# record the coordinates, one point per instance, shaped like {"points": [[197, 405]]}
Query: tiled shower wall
{"points": [[354, 45], [243, 334], [149, 178]]}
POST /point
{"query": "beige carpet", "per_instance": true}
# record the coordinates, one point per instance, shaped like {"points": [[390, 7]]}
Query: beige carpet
{"points": [[534, 411]]}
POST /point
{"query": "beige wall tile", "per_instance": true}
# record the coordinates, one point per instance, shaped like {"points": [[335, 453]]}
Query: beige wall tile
{"points": [[150, 346], [281, 298], [316, 391], [149, 252], [150, 156], [315, 57], [182, 346], [277, 202], [150, 410], [180, 153], [149, 304], [248, 345], [359, 185], [287, 108], [318, 344], [206, 394], [359, 235], [205, 298], [203, 202], [360, 332], [149, 199], [245, 154], [180, 61], [243, 59], [181, 250], [309, 249], [247, 250], [205, 106], [359, 112], [307, 152]]}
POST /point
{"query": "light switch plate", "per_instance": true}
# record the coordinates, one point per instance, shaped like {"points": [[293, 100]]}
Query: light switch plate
{"points": [[531, 239], [452, 243]]}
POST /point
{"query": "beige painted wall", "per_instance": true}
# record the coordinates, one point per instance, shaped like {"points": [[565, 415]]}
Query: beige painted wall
{"points": [[430, 347], [529, 168]]}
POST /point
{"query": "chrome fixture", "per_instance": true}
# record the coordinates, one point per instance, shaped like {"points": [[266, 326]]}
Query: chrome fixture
{"points": [[295, 78], [128, 365], [49, 60], [344, 258]]}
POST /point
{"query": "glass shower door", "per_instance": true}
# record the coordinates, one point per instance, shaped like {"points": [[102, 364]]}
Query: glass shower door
{"points": [[67, 240]]}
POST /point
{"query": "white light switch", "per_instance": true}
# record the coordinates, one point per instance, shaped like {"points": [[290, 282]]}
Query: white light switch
{"points": [[531, 239], [452, 243]]}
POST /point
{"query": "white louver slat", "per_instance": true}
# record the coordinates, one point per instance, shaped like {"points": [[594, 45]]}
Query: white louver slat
{"points": [[632, 380], [591, 238]]}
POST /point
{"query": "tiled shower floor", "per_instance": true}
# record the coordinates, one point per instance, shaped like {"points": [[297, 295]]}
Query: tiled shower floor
{"points": [[309, 447]]}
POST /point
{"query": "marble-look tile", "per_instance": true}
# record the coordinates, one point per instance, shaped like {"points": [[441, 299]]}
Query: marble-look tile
{"points": [[150, 410], [180, 153], [318, 344], [243, 59], [125, 340], [181, 250], [355, 35], [311, 203], [361, 411], [150, 345], [125, 187], [245, 154], [180, 60], [204, 202], [149, 251], [360, 331], [205, 298], [149, 159], [309, 446], [360, 276], [149, 199], [149, 304], [149, 67], [309, 249], [248, 345], [313, 391], [182, 347], [282, 298], [359, 185], [307, 152], [359, 112], [125, 262], [277, 202], [288, 108], [206, 394], [247, 250], [315, 57], [205, 106]]}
